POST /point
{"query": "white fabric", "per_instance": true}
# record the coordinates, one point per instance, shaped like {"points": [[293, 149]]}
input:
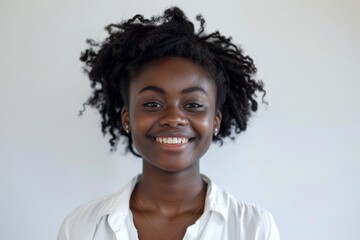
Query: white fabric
{"points": [[224, 218]]}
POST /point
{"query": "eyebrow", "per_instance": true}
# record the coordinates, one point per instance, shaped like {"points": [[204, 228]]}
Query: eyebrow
{"points": [[152, 88], [163, 92], [194, 89]]}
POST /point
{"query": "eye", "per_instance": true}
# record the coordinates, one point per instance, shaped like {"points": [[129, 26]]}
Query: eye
{"points": [[152, 105], [194, 106]]}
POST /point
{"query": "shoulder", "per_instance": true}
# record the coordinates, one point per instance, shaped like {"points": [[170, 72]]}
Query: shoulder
{"points": [[246, 219], [82, 221], [252, 221], [88, 211], [246, 212]]}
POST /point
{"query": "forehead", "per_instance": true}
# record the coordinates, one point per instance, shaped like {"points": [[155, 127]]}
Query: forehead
{"points": [[173, 73]]}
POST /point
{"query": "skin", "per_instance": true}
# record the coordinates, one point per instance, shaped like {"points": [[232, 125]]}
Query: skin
{"points": [[170, 98]]}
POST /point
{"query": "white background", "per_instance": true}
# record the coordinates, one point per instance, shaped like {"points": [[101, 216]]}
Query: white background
{"points": [[299, 158]]}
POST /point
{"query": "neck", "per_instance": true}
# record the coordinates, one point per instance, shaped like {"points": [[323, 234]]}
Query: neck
{"points": [[170, 192]]}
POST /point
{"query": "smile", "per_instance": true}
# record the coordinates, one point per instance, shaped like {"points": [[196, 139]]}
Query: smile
{"points": [[172, 140]]}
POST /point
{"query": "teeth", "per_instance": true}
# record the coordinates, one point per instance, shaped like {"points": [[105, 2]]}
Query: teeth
{"points": [[172, 140]]}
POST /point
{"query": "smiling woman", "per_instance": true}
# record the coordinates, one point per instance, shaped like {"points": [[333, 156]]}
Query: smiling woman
{"points": [[172, 99], [170, 92]]}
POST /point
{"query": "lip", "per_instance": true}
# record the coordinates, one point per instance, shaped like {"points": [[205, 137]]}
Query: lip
{"points": [[172, 147]]}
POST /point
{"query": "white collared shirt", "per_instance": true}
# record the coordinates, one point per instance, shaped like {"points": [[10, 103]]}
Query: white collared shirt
{"points": [[224, 218]]}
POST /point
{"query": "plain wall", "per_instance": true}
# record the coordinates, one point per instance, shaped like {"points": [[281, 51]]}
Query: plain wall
{"points": [[299, 157]]}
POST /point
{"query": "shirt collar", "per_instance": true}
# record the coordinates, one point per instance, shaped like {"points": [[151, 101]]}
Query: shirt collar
{"points": [[215, 199], [116, 206]]}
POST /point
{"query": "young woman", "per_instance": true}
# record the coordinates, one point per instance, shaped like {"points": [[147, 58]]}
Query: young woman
{"points": [[171, 92]]}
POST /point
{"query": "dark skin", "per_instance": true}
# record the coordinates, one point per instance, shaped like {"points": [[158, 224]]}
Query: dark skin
{"points": [[171, 116]]}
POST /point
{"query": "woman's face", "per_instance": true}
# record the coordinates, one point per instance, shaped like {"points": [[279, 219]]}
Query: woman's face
{"points": [[172, 113]]}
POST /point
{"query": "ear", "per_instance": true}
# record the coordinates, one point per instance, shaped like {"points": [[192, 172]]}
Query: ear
{"points": [[217, 119], [125, 120]]}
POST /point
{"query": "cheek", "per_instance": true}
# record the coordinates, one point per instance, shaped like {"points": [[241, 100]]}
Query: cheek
{"points": [[140, 124], [204, 125], [139, 128]]}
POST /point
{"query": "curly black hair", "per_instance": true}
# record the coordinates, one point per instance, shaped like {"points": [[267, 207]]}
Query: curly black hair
{"points": [[111, 65]]}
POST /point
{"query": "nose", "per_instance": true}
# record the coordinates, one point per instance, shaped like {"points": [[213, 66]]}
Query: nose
{"points": [[173, 117]]}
